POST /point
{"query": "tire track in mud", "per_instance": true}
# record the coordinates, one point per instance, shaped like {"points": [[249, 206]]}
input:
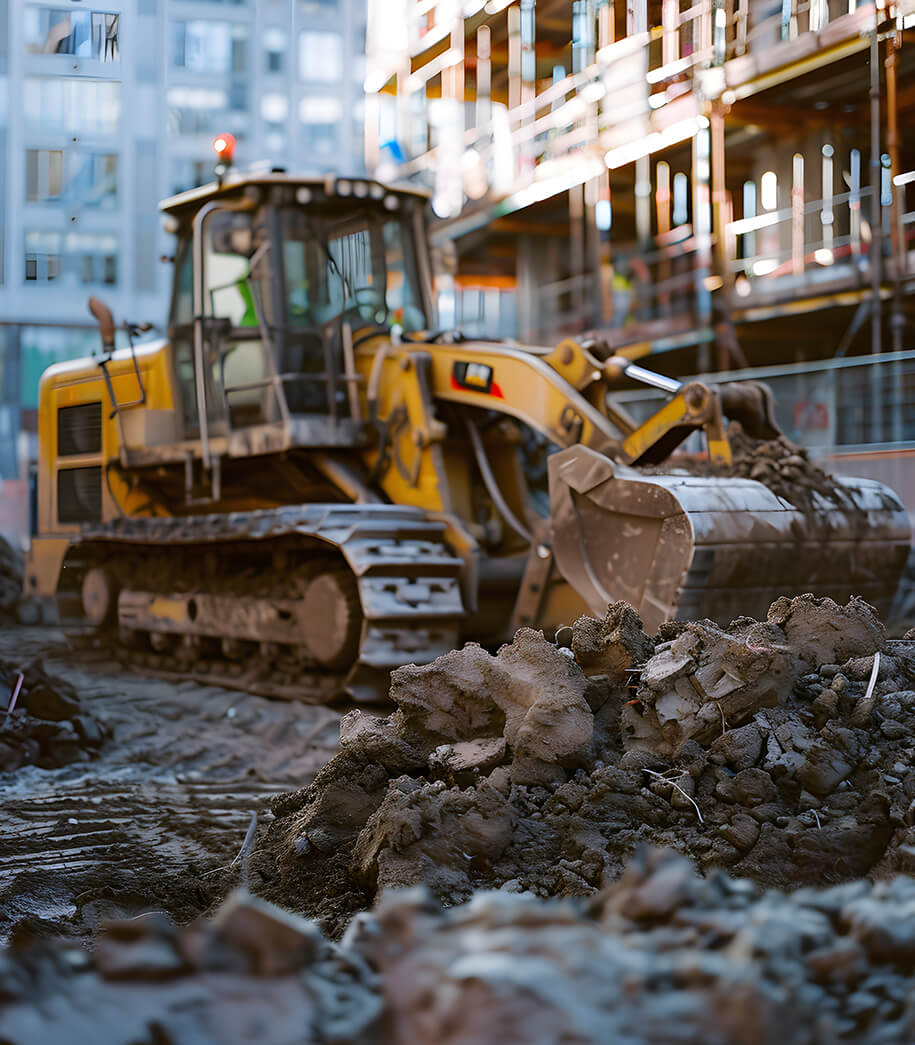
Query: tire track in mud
{"points": [[108, 819], [156, 821]]}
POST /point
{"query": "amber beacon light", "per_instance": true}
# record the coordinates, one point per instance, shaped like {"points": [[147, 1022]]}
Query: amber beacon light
{"points": [[224, 147]]}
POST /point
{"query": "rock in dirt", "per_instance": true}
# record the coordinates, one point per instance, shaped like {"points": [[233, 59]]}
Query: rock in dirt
{"points": [[527, 771], [614, 646], [662, 955], [529, 693], [47, 725]]}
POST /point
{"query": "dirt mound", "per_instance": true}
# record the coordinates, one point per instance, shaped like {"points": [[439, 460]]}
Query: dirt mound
{"points": [[784, 467], [760, 748], [660, 956], [47, 725]]}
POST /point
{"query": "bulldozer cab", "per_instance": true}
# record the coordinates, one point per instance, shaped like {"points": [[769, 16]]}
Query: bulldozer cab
{"points": [[276, 281]]}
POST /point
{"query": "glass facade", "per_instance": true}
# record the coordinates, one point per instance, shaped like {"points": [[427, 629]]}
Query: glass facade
{"points": [[73, 257], [89, 144], [40, 346]]}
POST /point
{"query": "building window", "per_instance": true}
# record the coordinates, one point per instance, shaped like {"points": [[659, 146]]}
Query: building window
{"points": [[320, 56], [43, 174], [72, 258], [42, 256], [205, 110], [276, 43], [86, 34], [203, 46], [71, 176], [238, 96], [190, 174], [317, 7], [320, 117], [57, 104], [275, 108], [274, 113]]}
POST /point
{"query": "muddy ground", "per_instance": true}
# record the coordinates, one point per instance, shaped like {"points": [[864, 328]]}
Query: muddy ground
{"points": [[773, 760], [780, 750], [154, 818]]}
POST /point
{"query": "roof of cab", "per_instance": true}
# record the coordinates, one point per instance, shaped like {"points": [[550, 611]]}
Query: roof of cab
{"points": [[235, 183]]}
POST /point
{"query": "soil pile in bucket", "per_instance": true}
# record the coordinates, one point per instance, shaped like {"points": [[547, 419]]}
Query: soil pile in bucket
{"points": [[662, 955], [774, 749], [46, 725], [782, 466]]}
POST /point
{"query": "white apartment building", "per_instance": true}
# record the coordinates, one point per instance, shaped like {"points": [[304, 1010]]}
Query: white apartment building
{"points": [[106, 106]]}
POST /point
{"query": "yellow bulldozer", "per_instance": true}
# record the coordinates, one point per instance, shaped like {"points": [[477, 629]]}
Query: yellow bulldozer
{"points": [[307, 485]]}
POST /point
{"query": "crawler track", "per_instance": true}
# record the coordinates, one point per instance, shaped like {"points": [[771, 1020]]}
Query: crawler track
{"points": [[255, 569]]}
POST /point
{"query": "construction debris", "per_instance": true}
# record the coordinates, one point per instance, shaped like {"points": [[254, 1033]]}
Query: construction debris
{"points": [[661, 955], [750, 748], [42, 721]]}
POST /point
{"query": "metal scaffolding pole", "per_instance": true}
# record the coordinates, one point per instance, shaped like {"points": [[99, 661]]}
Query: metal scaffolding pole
{"points": [[875, 252], [702, 230], [876, 244], [897, 319]]}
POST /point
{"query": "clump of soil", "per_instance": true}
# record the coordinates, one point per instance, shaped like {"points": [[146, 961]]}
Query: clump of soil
{"points": [[784, 467], [662, 955], [760, 748], [47, 725]]}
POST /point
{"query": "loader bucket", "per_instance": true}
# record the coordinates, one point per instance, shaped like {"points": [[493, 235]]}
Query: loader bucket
{"points": [[678, 546]]}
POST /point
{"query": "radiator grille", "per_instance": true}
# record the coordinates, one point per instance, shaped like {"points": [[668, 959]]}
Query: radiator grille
{"points": [[79, 495], [79, 429]]}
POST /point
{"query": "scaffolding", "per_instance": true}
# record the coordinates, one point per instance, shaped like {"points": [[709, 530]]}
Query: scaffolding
{"points": [[722, 180]]}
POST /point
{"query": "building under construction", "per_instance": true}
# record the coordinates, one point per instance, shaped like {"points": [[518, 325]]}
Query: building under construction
{"points": [[722, 185]]}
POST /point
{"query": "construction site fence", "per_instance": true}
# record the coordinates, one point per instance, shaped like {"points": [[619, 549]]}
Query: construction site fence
{"points": [[831, 405]]}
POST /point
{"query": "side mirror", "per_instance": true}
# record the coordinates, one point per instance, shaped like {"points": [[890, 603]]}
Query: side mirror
{"points": [[105, 322]]}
